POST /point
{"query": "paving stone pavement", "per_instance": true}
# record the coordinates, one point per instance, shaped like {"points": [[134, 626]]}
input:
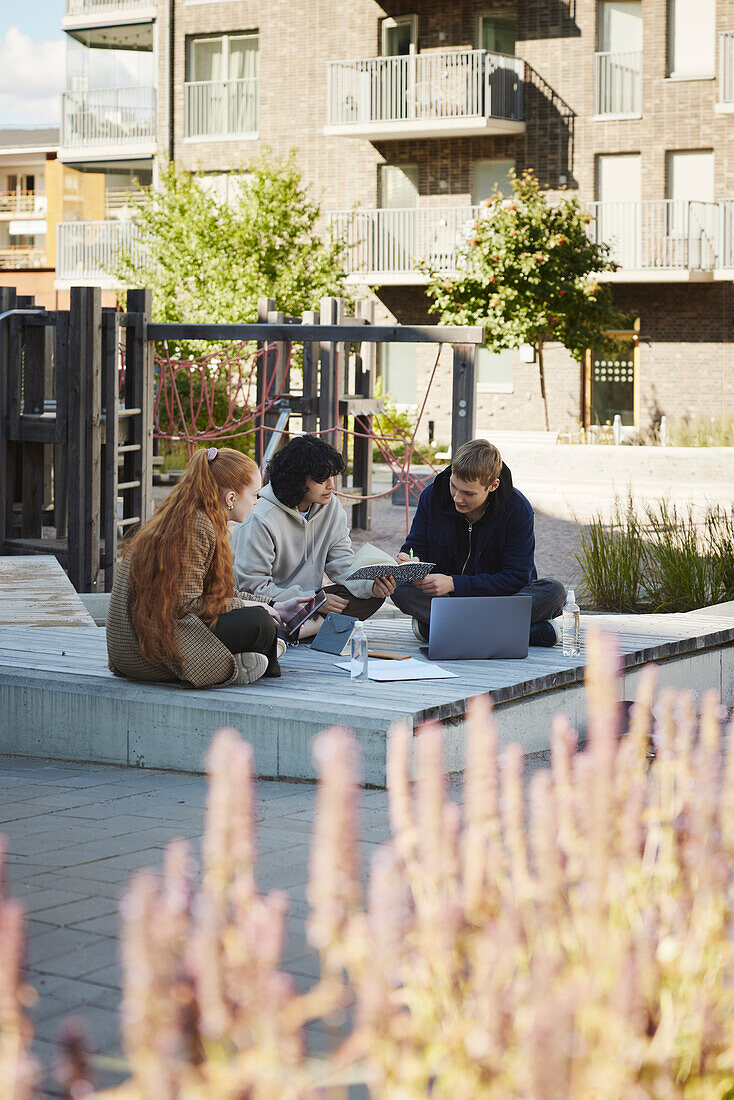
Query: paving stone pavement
{"points": [[76, 834]]}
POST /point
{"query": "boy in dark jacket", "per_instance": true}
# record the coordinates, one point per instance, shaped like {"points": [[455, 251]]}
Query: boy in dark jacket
{"points": [[479, 530]]}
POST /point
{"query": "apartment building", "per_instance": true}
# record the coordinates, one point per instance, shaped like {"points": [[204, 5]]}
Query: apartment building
{"points": [[37, 192], [416, 112]]}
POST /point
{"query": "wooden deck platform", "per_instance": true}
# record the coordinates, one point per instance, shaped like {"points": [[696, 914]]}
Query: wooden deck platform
{"points": [[35, 591], [58, 698]]}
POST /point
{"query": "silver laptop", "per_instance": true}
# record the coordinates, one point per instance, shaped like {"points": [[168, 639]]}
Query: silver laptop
{"points": [[471, 628]]}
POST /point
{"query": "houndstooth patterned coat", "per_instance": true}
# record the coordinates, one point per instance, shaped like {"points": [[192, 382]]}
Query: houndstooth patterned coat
{"points": [[206, 662]]}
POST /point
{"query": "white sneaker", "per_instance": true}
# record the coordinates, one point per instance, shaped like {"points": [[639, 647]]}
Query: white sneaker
{"points": [[417, 631], [282, 646], [250, 667]]}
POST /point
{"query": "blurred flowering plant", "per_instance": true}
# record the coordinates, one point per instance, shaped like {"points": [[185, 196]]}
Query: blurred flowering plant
{"points": [[583, 949]]}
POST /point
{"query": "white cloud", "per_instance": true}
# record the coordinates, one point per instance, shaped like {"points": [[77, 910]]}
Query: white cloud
{"points": [[32, 76]]}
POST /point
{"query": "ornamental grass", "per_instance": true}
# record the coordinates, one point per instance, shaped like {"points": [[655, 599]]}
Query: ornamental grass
{"points": [[572, 940]]}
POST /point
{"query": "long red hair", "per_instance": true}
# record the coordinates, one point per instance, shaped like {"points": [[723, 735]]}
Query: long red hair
{"points": [[157, 551]]}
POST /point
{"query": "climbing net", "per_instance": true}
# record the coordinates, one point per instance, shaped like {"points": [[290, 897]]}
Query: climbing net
{"points": [[213, 397]]}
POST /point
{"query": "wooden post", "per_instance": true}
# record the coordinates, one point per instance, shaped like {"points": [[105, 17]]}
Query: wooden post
{"points": [[7, 449], [110, 340], [463, 409], [139, 394], [329, 391], [364, 386], [265, 306], [34, 345], [309, 420], [76, 407], [277, 373], [61, 465]]}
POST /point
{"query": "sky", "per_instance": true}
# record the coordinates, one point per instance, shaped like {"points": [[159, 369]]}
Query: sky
{"points": [[32, 62]]}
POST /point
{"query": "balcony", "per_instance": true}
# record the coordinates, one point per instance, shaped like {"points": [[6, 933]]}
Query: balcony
{"points": [[109, 123], [109, 23], [86, 252], [221, 109], [654, 241], [726, 71], [618, 85], [13, 203], [387, 246], [663, 239], [447, 94], [21, 257], [120, 202]]}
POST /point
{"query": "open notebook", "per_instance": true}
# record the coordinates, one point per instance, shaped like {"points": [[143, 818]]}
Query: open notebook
{"points": [[370, 563]]}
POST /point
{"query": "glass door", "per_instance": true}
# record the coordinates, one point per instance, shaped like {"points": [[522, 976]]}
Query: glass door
{"points": [[395, 88], [396, 231], [612, 385]]}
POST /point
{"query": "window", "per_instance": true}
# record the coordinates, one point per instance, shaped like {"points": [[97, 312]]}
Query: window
{"points": [[619, 210], [494, 371], [398, 35], [691, 38], [227, 57], [397, 368], [620, 26], [399, 186], [498, 32], [690, 176], [491, 174]]}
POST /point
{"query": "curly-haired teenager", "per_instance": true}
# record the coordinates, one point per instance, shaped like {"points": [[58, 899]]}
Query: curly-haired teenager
{"points": [[297, 532], [174, 613]]}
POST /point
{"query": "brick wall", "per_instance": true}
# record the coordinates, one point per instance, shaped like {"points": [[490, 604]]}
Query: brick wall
{"points": [[685, 370]]}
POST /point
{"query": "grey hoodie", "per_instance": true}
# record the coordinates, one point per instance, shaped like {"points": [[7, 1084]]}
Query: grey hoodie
{"points": [[278, 552]]}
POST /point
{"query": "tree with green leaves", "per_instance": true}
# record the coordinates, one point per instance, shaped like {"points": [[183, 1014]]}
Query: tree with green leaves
{"points": [[528, 273], [210, 260]]}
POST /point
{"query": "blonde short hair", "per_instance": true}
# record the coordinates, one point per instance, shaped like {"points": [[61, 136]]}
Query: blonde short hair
{"points": [[478, 460]]}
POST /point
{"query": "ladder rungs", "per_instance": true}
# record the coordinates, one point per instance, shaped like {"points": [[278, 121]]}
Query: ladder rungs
{"points": [[127, 485], [128, 448], [123, 414], [127, 521]]}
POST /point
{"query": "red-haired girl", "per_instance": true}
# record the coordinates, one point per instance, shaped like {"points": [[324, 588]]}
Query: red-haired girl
{"points": [[174, 613]]}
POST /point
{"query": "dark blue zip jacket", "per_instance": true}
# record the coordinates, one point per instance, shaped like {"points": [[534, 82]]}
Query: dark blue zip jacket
{"points": [[495, 558]]}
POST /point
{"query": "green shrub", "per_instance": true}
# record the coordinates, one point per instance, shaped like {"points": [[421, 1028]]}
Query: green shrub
{"points": [[665, 562]]}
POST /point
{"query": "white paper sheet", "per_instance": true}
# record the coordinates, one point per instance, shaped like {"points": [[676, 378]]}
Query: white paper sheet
{"points": [[412, 669]]}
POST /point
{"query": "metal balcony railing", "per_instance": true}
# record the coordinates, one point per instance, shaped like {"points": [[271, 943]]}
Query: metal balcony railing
{"points": [[108, 116], [669, 234], [22, 202], [118, 200], [726, 67], [665, 234], [105, 7], [618, 84], [90, 250], [396, 242], [426, 87], [221, 108], [22, 257]]}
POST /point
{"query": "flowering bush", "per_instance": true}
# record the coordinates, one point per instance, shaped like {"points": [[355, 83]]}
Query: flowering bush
{"points": [[528, 274], [581, 950]]}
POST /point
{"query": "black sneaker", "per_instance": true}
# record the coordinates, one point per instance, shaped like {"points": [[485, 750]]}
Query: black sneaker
{"points": [[546, 634]]}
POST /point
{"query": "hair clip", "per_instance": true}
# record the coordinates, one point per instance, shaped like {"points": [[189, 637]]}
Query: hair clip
{"points": [[211, 454]]}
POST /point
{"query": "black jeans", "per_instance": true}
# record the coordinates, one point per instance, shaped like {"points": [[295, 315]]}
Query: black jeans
{"points": [[248, 630], [548, 598]]}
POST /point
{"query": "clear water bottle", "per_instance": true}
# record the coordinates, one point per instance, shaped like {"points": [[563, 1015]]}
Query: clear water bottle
{"points": [[571, 626], [358, 665]]}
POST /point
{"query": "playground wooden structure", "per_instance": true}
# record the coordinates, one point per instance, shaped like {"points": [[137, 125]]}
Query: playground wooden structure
{"points": [[77, 435]]}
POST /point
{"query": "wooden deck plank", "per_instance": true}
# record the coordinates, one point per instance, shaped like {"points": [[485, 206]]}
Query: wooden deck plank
{"points": [[58, 698], [35, 591]]}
